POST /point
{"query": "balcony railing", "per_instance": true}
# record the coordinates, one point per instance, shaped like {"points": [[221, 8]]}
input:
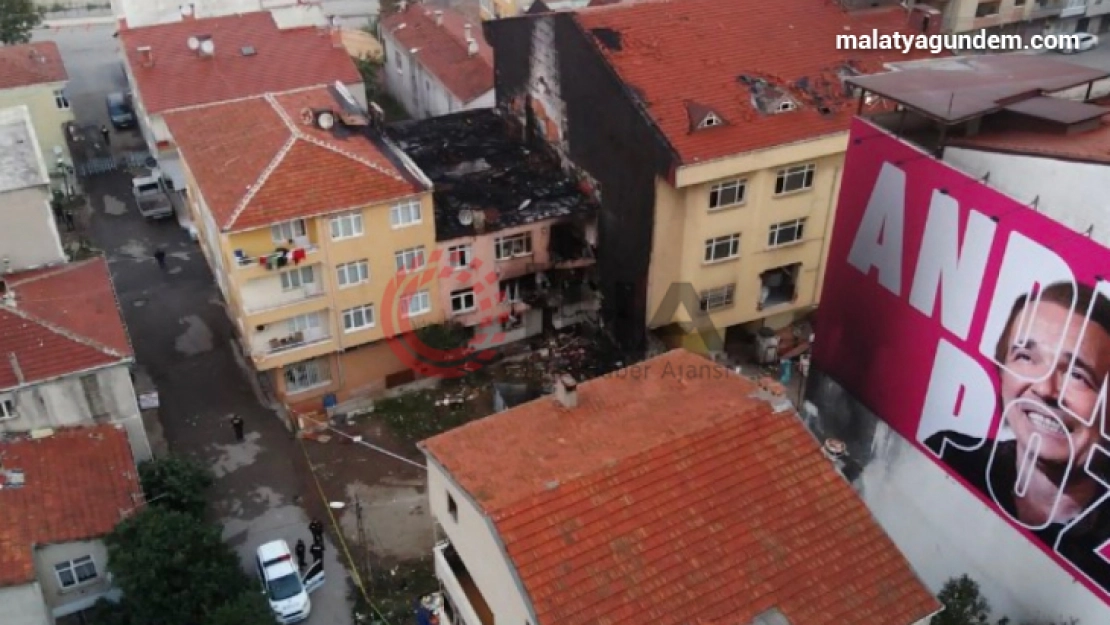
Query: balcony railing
{"points": [[459, 588], [290, 341]]}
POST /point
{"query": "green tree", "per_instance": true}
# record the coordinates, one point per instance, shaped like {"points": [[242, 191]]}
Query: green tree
{"points": [[17, 19], [176, 483], [963, 603], [173, 569], [248, 608]]}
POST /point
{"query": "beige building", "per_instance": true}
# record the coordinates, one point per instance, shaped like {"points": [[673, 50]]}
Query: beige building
{"points": [[28, 230], [1028, 17], [306, 213], [717, 163], [55, 561], [34, 76]]}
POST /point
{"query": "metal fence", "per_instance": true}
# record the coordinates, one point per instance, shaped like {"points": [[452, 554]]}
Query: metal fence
{"points": [[107, 164]]}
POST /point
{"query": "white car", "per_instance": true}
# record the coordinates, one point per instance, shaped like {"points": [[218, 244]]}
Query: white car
{"points": [[1083, 43], [284, 586]]}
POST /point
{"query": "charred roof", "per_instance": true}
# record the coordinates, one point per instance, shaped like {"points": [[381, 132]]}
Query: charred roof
{"points": [[480, 163]]}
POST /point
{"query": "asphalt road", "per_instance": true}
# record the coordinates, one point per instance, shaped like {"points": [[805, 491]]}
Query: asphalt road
{"points": [[182, 337]]}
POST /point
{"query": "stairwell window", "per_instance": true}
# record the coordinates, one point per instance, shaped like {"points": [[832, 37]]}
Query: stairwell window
{"points": [[411, 259], [786, 233], [358, 318], [346, 226], [7, 408], [405, 213], [513, 246], [794, 179], [288, 231], [722, 248], [61, 100], [727, 194], [349, 274]]}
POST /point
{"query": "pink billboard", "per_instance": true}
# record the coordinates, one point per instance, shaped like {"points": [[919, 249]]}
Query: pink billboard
{"points": [[979, 330]]}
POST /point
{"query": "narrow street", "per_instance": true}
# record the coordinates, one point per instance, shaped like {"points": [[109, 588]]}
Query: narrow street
{"points": [[182, 338]]}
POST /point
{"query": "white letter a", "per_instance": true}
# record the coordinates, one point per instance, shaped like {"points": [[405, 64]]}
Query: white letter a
{"points": [[878, 241]]}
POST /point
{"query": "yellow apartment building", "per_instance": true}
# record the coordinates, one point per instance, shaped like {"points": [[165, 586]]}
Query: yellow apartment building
{"points": [[34, 76], [305, 215]]}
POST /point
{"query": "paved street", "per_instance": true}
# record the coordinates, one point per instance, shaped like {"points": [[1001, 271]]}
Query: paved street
{"points": [[182, 338]]}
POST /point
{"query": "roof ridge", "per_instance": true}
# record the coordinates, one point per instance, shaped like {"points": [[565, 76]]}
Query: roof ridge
{"points": [[260, 181], [63, 332], [299, 134], [257, 96]]}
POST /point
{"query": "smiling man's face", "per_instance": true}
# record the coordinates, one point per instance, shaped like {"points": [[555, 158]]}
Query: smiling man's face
{"points": [[1041, 416]]}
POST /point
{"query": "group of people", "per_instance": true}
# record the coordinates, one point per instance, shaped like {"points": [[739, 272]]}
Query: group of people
{"points": [[317, 548]]}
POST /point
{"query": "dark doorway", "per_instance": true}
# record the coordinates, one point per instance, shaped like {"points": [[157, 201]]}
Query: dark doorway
{"points": [[1083, 25]]}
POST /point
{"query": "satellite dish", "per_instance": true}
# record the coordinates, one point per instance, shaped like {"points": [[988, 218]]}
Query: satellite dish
{"points": [[466, 217], [207, 46], [194, 44], [325, 120]]}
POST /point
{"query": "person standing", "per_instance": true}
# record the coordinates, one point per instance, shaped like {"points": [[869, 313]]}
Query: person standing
{"points": [[317, 529], [160, 256], [237, 425], [300, 551], [317, 551], [104, 132]]}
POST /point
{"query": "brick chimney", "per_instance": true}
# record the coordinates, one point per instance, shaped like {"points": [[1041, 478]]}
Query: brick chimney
{"points": [[146, 55], [335, 32], [566, 391]]}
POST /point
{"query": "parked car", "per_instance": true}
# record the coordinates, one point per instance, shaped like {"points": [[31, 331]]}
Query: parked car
{"points": [[1083, 43], [152, 196], [120, 111], [284, 586]]}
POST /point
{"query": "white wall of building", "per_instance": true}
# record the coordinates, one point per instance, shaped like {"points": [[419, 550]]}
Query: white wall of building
{"points": [[28, 233], [943, 529], [24, 605], [1076, 195], [419, 91]]}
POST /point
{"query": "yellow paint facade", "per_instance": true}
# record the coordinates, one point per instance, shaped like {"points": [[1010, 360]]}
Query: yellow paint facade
{"points": [[50, 110], [748, 232]]}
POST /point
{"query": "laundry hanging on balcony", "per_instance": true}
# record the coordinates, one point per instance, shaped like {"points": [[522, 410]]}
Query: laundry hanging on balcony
{"points": [[282, 257]]}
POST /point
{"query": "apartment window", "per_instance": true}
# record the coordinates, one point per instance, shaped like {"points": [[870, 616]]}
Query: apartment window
{"points": [[728, 193], [718, 297], [297, 278], [358, 318], [76, 572], [7, 407], [411, 259], [305, 375], [348, 274], [722, 248], [462, 301], [513, 246], [302, 323], [797, 178], [986, 9], [346, 225], [288, 231], [416, 304], [452, 507], [61, 100], [786, 232], [510, 290], [405, 214], [459, 256]]}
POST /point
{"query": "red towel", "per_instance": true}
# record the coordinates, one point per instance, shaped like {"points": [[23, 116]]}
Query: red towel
{"points": [[298, 255]]}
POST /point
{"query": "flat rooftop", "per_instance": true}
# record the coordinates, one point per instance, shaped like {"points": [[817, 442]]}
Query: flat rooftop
{"points": [[479, 163], [21, 164]]}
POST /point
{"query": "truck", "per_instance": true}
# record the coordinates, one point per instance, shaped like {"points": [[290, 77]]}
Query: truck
{"points": [[151, 196]]}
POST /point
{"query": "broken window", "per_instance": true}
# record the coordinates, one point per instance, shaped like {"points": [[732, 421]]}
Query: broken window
{"points": [[786, 106], [778, 285], [786, 232], [510, 290], [797, 178], [458, 256], [513, 246], [727, 193], [718, 297], [462, 301], [722, 248]]}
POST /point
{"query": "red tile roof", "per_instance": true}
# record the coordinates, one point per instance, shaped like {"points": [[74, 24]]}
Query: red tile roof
{"points": [[1091, 146], [76, 485], [443, 49], [31, 64], [64, 319], [257, 163], [676, 495], [683, 51], [283, 60]]}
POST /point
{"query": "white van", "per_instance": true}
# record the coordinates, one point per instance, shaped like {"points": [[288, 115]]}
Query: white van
{"points": [[284, 586]]}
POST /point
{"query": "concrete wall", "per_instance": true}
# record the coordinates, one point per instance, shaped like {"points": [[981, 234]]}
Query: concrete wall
{"points": [[46, 118], [940, 526], [24, 605], [67, 601], [1075, 194], [28, 233], [418, 90], [64, 402], [266, 293]]}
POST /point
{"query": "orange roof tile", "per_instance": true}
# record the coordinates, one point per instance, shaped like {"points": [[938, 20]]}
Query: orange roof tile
{"points": [[31, 64], [675, 52], [257, 163], [443, 49], [64, 319], [283, 59], [1091, 146], [76, 485], [675, 494]]}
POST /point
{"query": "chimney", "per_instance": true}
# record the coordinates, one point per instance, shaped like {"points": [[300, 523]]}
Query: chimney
{"points": [[336, 32], [466, 30], [188, 11], [146, 55], [471, 47], [566, 391], [439, 19]]}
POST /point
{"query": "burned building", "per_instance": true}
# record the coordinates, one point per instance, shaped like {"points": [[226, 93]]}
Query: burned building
{"points": [[516, 227]]}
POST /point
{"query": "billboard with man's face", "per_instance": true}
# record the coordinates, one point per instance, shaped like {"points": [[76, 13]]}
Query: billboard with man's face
{"points": [[979, 330]]}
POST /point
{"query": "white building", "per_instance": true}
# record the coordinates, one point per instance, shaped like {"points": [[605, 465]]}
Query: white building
{"points": [[437, 62], [55, 560], [65, 356], [139, 13], [28, 231]]}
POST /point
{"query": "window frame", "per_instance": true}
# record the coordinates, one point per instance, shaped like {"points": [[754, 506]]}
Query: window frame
{"points": [[510, 291], [353, 219], [739, 184], [368, 316], [711, 244], [61, 100], [460, 256], [71, 567], [321, 373], [396, 217], [360, 268], [312, 320], [291, 226], [461, 296], [287, 281], [774, 232], [8, 411], [400, 257], [500, 243], [423, 296], [725, 294], [808, 173]]}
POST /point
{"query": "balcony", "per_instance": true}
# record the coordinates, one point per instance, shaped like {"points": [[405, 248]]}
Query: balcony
{"points": [[289, 335], [252, 264], [1045, 8], [467, 606], [569, 246], [1073, 8], [276, 292]]}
